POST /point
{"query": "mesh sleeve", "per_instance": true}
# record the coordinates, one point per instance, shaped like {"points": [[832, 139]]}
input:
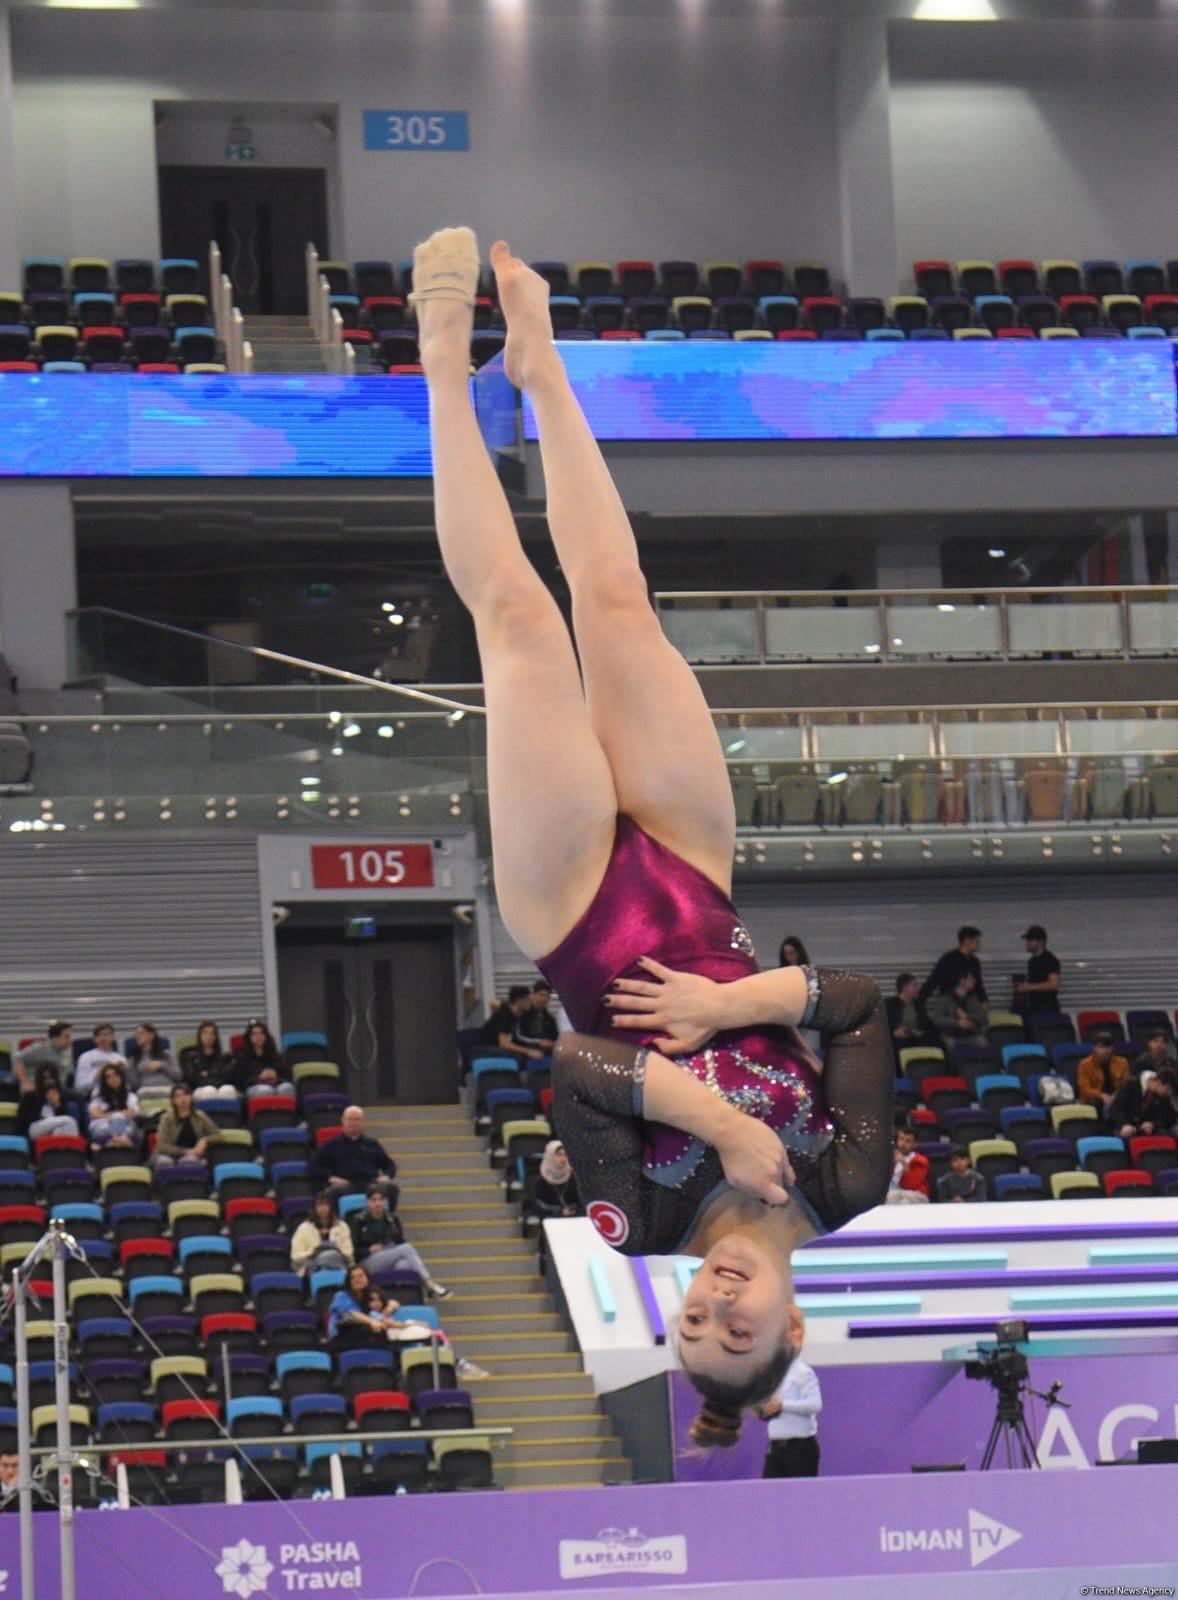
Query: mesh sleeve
{"points": [[597, 1097]]}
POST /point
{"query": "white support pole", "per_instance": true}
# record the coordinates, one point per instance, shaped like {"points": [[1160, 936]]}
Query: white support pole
{"points": [[349, 362], [247, 357], [323, 310], [122, 1486], [335, 342], [225, 308], [233, 1494], [236, 343], [24, 1441], [338, 1489], [65, 1449], [312, 258], [215, 276]]}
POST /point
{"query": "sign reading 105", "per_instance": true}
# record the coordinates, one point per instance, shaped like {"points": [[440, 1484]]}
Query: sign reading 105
{"points": [[372, 866], [416, 130]]}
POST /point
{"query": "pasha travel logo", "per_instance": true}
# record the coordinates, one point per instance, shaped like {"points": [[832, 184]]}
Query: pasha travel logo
{"points": [[986, 1538], [320, 1566], [622, 1550], [244, 1569]]}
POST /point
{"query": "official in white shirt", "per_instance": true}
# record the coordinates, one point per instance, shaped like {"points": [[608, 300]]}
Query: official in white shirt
{"points": [[792, 1415]]}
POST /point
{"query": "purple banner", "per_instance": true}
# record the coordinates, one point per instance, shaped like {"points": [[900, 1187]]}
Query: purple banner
{"points": [[669, 1537], [928, 1412]]}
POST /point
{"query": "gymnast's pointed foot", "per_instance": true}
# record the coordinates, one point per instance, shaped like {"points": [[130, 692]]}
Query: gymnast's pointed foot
{"points": [[445, 282], [523, 298]]}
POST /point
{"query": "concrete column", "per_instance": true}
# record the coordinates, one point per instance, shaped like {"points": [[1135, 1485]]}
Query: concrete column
{"points": [[866, 196], [38, 579], [908, 564], [1135, 541], [1171, 572], [9, 242]]}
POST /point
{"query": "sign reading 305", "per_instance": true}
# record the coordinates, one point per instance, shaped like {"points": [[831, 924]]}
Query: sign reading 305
{"points": [[416, 130]]}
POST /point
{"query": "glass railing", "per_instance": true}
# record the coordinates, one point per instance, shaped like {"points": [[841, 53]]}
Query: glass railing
{"points": [[921, 625]]}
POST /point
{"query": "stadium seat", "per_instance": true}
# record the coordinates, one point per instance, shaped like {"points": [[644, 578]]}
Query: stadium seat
{"points": [[155, 1296], [400, 1467], [277, 1291], [1101, 1153], [254, 1416], [1061, 277], [976, 278], [1074, 1122], [1021, 1123], [98, 1339], [1123, 311], [1018, 278], [214, 1293], [943, 1095], [1075, 1186], [908, 311], [96, 1297], [932, 278], [291, 1330], [997, 1092], [1079, 311], [780, 313], [417, 1370], [635, 280], [1049, 1156], [382, 1411], [125, 1422], [1019, 1186], [118, 1378], [991, 1157], [363, 1370], [444, 1408], [951, 312], [145, 1257], [463, 1463], [306, 1372], [1103, 278], [178, 1378], [230, 1330], [190, 1419], [1050, 1028], [44, 1425], [1090, 1023], [318, 1413], [1153, 1152], [1127, 1183], [123, 1183]]}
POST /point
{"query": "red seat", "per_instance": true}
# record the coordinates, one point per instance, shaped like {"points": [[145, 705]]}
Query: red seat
{"points": [[19, 366], [1018, 277], [922, 1117], [224, 1322], [136, 1249], [60, 1141], [1079, 310], [357, 336], [1015, 333], [546, 1100], [932, 1085], [173, 1411], [325, 1134], [405, 370], [1094, 1020], [380, 1400], [271, 1102], [33, 1214], [621, 333], [250, 1205], [635, 279], [1123, 1182], [140, 300], [1154, 1152], [933, 278], [157, 366], [797, 333]]}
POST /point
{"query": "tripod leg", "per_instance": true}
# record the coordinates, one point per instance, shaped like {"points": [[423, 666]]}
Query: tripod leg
{"points": [[1030, 1454], [991, 1446]]}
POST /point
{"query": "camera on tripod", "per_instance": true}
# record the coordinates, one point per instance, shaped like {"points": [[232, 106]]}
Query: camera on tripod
{"points": [[1004, 1365]]}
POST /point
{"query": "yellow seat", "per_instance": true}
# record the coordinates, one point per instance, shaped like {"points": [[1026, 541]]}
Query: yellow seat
{"points": [[1062, 1182]]}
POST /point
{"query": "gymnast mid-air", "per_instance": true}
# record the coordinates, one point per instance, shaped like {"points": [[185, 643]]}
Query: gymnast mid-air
{"points": [[696, 1117]]}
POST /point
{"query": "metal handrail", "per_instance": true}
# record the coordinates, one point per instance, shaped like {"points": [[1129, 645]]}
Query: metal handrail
{"points": [[973, 591], [275, 1441]]}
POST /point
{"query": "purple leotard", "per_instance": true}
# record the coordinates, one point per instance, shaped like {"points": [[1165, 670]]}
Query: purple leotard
{"points": [[653, 903]]}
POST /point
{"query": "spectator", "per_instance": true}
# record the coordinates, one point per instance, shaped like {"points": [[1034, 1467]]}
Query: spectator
{"points": [[349, 1321], [150, 1064], [1100, 1075], [908, 1021], [185, 1132], [206, 1064], [384, 1310], [792, 953], [1159, 1054], [321, 1240], [962, 1183], [1039, 990], [944, 976], [43, 1109], [9, 1473], [957, 1013], [353, 1161], [379, 1242], [113, 1109], [535, 1027], [498, 1032], [1144, 1106], [556, 1188], [792, 1415], [91, 1061], [56, 1050], [910, 1172], [257, 1066]]}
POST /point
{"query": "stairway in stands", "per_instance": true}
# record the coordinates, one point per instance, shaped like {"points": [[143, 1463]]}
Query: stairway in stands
{"points": [[284, 344], [501, 1316]]}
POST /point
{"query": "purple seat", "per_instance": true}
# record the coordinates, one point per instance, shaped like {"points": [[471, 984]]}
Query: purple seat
{"points": [[175, 1334], [249, 1374], [445, 1408], [401, 1285], [116, 1378], [113, 366], [292, 1330]]}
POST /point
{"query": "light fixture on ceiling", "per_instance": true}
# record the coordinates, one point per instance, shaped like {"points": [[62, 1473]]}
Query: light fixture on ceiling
{"points": [[955, 11]]}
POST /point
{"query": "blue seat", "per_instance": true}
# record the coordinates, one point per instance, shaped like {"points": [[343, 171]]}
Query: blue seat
{"points": [[319, 1413], [1025, 1116], [269, 1137], [147, 1216], [254, 1414], [999, 1090], [14, 1144], [100, 1253], [247, 1175], [664, 335], [330, 1447], [1101, 1153], [1064, 1058], [99, 1338], [17, 1186], [290, 1366], [1012, 1053], [155, 1295], [352, 1363], [875, 335], [929, 333], [428, 1314], [327, 1279], [204, 1244], [319, 1040], [82, 1218], [351, 1203], [277, 1291], [1019, 1186], [126, 1421]]}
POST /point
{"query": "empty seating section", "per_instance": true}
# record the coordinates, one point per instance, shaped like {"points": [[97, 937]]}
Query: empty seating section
{"points": [[1025, 1146], [91, 315], [771, 299], [951, 766], [185, 1316]]}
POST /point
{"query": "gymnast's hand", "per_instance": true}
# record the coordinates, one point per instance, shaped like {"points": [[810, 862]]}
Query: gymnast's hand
{"points": [[681, 1007], [754, 1159]]}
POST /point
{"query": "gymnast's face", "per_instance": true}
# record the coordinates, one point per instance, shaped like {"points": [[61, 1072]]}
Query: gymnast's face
{"points": [[738, 1311]]}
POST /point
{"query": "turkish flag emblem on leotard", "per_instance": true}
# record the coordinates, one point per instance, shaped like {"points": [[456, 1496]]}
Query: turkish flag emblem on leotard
{"points": [[612, 1224]]}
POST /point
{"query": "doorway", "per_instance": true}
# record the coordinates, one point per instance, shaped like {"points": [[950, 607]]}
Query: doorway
{"points": [[261, 217], [381, 990]]}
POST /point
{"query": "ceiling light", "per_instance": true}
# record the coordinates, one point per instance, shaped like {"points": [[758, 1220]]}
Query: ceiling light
{"points": [[737, 745], [351, 729], [93, 5], [954, 11], [945, 605], [309, 780], [385, 731], [837, 777], [455, 717], [335, 718], [388, 605], [996, 552], [871, 649]]}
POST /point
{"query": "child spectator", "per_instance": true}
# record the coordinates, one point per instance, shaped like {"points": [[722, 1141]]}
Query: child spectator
{"points": [[962, 1183], [910, 1172], [43, 1108]]}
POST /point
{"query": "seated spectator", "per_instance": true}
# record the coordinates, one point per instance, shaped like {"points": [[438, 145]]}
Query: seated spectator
{"points": [[9, 1473], [322, 1239], [1144, 1105], [91, 1062], [350, 1323], [56, 1050], [908, 1020], [962, 1183], [43, 1108], [498, 1032], [792, 952], [257, 1066], [1159, 1054], [950, 967], [384, 1310], [957, 1013], [379, 1242], [353, 1161], [535, 1027], [150, 1064], [113, 1109], [206, 1064], [1039, 990], [556, 1193], [910, 1172], [1100, 1075], [184, 1133]]}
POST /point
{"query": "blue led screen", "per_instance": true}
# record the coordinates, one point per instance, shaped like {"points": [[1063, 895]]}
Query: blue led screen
{"points": [[121, 425], [967, 389]]}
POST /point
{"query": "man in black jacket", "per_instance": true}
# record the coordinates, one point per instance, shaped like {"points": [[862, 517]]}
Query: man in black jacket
{"points": [[353, 1161], [954, 964], [908, 1023]]}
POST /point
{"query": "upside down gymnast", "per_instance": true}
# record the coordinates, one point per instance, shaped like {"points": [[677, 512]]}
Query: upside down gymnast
{"points": [[696, 1117]]}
